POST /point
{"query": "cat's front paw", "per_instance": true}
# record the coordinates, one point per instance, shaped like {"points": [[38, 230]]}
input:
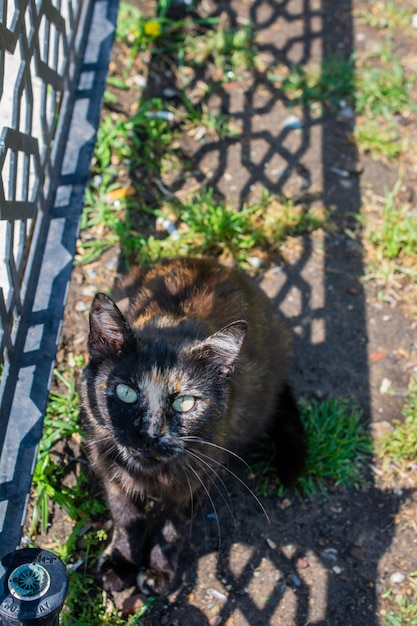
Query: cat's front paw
{"points": [[154, 581], [114, 573]]}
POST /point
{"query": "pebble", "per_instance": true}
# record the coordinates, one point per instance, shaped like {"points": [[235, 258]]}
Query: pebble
{"points": [[162, 115], [218, 595], [329, 554], [292, 122], [396, 578], [347, 113], [385, 386], [81, 306], [255, 262], [139, 80], [356, 552], [168, 92], [271, 543], [337, 569], [414, 20]]}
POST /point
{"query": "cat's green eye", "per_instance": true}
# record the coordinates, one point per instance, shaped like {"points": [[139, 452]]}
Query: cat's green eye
{"points": [[126, 394], [183, 404]]}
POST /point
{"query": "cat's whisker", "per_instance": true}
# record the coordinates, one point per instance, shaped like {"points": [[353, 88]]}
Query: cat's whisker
{"points": [[191, 500], [242, 482], [215, 445], [212, 505], [218, 477]]}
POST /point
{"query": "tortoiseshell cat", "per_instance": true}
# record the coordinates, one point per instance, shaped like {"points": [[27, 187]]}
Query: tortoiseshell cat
{"points": [[194, 367]]}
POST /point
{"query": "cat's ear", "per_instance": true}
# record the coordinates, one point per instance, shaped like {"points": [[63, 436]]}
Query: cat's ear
{"points": [[108, 328], [223, 348]]}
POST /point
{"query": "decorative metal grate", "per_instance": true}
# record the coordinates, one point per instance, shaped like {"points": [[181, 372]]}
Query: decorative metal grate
{"points": [[53, 64]]}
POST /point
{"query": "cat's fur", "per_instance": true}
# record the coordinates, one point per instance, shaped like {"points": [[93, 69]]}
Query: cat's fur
{"points": [[189, 328]]}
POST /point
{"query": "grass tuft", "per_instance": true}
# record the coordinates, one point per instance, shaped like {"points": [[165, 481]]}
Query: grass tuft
{"points": [[400, 445], [339, 449]]}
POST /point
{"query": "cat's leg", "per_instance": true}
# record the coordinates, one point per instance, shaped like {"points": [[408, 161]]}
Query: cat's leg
{"points": [[120, 562], [165, 549], [287, 432]]}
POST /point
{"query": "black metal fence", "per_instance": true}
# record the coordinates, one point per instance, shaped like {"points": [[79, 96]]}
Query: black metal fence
{"points": [[53, 64]]}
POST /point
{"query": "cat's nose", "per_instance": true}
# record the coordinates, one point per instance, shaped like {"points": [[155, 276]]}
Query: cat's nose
{"points": [[149, 436]]}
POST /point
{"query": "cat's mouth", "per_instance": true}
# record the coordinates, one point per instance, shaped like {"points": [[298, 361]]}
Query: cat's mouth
{"points": [[147, 457]]}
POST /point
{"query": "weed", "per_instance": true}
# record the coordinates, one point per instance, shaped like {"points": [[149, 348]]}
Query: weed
{"points": [[232, 51], [87, 604], [405, 611], [397, 234], [339, 448], [61, 422], [383, 91], [400, 446], [377, 137], [385, 15], [332, 82], [392, 235]]}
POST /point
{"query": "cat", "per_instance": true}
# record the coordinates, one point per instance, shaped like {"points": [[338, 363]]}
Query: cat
{"points": [[186, 371]]}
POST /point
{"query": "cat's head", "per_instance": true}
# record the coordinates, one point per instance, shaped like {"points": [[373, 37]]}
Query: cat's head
{"points": [[150, 393]]}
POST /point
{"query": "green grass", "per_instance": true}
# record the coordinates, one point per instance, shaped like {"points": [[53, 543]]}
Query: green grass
{"points": [[329, 83], [392, 237], [385, 16], [60, 423], [204, 226], [405, 611], [339, 449], [379, 138], [397, 234], [383, 91], [400, 445], [232, 51]]}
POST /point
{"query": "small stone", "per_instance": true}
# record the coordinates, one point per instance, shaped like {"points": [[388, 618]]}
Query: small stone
{"points": [[396, 578], [271, 543], [356, 552], [80, 306], [337, 569], [385, 386], [168, 92], [255, 262], [292, 122], [139, 80], [329, 554], [347, 113], [217, 595], [414, 20]]}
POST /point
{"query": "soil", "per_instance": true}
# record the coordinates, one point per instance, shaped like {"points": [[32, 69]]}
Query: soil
{"points": [[330, 560]]}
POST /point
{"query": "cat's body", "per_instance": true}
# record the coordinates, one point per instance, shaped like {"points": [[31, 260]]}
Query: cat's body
{"points": [[196, 365]]}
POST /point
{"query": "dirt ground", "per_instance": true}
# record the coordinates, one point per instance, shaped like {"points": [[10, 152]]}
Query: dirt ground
{"points": [[331, 560]]}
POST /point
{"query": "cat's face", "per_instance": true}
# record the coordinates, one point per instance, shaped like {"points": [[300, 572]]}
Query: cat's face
{"points": [[149, 395]]}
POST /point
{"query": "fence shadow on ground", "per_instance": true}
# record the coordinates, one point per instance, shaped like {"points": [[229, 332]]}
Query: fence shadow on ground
{"points": [[319, 291]]}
